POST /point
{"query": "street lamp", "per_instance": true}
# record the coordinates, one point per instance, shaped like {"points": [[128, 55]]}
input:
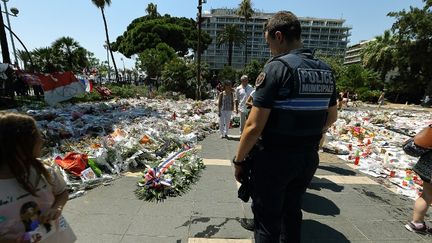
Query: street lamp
{"points": [[14, 12]]}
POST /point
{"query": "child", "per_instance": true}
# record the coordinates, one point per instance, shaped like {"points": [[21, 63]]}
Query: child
{"points": [[32, 196], [225, 108]]}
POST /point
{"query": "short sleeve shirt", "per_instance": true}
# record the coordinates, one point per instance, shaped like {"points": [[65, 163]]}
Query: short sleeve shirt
{"points": [[275, 73], [242, 94], [20, 210], [266, 92]]}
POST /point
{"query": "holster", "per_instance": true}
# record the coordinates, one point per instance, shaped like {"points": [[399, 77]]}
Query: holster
{"points": [[244, 192]]}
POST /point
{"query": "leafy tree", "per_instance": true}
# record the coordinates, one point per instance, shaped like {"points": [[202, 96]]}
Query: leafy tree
{"points": [[146, 32], [231, 35], [175, 75], [152, 60], [45, 60], [101, 5], [380, 54], [252, 70], [152, 10], [413, 38], [178, 75], [245, 10], [71, 55], [25, 58], [228, 73], [336, 64]]}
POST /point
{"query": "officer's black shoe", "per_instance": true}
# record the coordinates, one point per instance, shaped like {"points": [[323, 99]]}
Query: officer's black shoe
{"points": [[247, 224]]}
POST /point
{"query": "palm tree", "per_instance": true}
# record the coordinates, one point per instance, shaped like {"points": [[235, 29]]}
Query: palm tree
{"points": [[101, 4], [25, 58], [231, 36], [379, 54], [67, 49], [245, 10], [46, 60], [152, 10]]}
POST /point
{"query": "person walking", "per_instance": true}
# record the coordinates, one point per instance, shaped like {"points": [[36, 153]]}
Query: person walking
{"points": [[294, 102], [242, 93], [381, 99], [225, 108]]}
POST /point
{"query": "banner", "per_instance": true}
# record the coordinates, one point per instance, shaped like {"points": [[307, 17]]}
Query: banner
{"points": [[60, 86], [30, 78]]}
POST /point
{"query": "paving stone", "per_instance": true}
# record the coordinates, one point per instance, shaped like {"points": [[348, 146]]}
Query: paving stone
{"points": [[83, 237], [172, 206], [149, 239], [159, 226], [217, 209], [329, 230], [224, 228], [119, 206], [384, 230], [348, 199], [101, 224], [380, 195]]}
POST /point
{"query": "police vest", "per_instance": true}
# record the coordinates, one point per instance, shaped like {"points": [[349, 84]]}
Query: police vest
{"points": [[301, 106]]}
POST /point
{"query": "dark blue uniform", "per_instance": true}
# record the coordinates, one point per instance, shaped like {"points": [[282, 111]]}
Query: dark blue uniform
{"points": [[298, 89]]}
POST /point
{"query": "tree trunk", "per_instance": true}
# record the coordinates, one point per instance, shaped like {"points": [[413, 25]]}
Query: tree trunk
{"points": [[230, 50], [109, 45], [246, 42]]}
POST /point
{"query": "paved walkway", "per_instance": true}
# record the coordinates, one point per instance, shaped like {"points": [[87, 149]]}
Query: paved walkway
{"points": [[341, 205]]}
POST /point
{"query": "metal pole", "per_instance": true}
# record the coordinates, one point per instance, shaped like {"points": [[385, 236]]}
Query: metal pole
{"points": [[25, 48], [10, 33], [199, 51], [3, 41]]}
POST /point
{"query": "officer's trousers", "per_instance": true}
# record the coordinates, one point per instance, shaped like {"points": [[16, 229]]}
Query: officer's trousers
{"points": [[279, 179]]}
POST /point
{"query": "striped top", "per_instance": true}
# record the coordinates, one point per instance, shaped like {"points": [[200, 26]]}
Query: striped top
{"points": [[227, 102]]}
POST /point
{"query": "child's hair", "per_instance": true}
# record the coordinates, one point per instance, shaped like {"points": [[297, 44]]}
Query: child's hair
{"points": [[18, 137]]}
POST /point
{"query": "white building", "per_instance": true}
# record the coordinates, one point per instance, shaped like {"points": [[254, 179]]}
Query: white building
{"points": [[329, 36]]}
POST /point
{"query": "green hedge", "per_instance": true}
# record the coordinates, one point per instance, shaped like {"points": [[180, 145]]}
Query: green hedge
{"points": [[366, 95]]}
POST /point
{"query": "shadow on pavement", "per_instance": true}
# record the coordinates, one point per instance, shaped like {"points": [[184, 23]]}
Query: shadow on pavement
{"points": [[316, 204], [319, 184], [337, 170], [233, 138], [318, 232]]}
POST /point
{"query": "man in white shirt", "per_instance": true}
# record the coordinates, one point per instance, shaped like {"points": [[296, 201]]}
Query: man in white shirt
{"points": [[242, 93]]}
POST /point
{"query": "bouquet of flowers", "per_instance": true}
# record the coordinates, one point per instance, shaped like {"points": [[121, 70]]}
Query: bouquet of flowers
{"points": [[170, 178]]}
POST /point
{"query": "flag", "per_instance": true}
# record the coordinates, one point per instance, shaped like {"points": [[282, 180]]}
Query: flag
{"points": [[87, 84], [60, 86]]}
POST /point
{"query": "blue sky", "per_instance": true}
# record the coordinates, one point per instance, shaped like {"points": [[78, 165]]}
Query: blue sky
{"points": [[40, 22]]}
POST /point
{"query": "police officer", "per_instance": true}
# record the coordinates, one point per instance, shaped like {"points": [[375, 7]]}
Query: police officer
{"points": [[294, 102]]}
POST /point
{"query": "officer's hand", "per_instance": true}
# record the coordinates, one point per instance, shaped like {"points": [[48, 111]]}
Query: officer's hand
{"points": [[239, 172]]}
